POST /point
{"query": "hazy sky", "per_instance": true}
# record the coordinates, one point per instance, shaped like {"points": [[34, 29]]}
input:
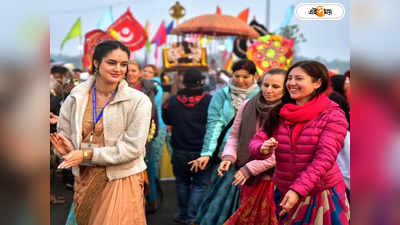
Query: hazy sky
{"points": [[328, 39]]}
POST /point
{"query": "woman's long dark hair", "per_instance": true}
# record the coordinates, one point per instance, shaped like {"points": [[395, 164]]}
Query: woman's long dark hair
{"points": [[337, 82], [316, 71]]}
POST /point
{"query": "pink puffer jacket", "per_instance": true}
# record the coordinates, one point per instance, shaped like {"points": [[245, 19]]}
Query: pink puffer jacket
{"points": [[310, 166]]}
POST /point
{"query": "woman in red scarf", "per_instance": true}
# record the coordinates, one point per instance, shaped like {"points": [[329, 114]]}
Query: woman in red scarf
{"points": [[310, 187]]}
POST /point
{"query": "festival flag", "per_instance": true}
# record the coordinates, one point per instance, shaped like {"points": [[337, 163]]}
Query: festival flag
{"points": [[92, 39], [161, 35], [106, 20], [229, 63], [148, 44], [244, 15], [159, 39], [219, 10], [73, 33], [288, 16], [169, 27], [130, 31], [147, 29]]}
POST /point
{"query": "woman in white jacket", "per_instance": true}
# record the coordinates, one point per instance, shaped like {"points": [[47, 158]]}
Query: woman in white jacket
{"points": [[102, 131]]}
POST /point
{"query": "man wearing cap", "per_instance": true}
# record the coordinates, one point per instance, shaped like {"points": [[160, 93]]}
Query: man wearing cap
{"points": [[186, 112]]}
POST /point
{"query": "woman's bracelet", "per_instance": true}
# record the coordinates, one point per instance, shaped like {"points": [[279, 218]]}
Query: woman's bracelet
{"points": [[86, 154]]}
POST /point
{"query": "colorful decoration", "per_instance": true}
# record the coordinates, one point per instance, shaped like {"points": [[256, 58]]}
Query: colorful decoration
{"points": [[92, 39], [240, 43], [271, 51], [184, 54], [130, 31]]}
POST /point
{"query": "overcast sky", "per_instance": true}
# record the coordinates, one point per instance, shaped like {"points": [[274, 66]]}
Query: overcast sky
{"points": [[328, 39]]}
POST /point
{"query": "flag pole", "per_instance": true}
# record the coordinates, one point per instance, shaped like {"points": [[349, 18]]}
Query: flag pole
{"points": [[81, 49], [80, 45], [146, 54], [267, 14], [80, 41]]}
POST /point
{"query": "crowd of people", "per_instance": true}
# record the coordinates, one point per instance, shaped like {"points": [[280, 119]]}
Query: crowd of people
{"points": [[245, 149]]}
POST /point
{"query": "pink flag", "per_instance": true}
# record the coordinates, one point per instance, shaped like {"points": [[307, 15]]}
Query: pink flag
{"points": [[160, 37]]}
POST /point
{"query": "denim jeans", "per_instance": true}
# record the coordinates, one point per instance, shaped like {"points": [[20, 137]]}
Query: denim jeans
{"points": [[190, 186]]}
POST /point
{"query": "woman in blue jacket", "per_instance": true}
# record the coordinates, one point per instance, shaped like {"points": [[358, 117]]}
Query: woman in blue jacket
{"points": [[222, 198]]}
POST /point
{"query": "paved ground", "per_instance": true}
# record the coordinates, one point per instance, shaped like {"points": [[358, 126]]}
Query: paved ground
{"points": [[164, 216]]}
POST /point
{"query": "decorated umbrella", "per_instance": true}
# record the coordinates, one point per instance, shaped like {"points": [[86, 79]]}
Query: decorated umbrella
{"points": [[216, 25]]}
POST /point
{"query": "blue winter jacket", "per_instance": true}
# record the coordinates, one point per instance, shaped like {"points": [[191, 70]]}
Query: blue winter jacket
{"points": [[158, 101], [220, 113]]}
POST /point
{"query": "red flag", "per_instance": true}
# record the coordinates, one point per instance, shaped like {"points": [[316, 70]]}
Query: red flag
{"points": [[92, 39], [243, 15], [130, 31], [160, 37], [219, 10]]}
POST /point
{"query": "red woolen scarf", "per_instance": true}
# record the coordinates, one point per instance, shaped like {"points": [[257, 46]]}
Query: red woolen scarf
{"points": [[299, 115]]}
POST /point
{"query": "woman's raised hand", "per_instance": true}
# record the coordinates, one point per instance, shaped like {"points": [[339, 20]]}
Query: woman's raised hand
{"points": [[269, 146]]}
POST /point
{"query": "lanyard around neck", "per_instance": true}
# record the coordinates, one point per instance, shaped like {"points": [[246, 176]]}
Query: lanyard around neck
{"points": [[95, 117]]}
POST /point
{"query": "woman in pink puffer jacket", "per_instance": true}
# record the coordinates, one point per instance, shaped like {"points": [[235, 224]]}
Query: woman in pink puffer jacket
{"points": [[310, 187]]}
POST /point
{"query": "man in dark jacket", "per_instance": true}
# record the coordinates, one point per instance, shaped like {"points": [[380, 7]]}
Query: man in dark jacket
{"points": [[186, 112]]}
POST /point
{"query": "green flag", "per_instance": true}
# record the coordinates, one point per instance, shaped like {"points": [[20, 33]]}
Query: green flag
{"points": [[147, 29], [73, 33]]}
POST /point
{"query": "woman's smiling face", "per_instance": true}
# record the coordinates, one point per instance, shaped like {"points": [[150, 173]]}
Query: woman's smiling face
{"points": [[301, 85]]}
